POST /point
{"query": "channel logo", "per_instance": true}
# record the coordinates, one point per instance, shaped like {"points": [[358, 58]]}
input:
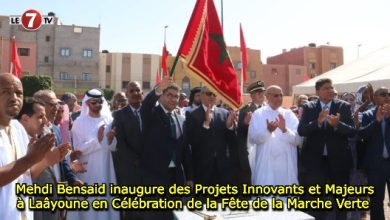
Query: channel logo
{"points": [[31, 20]]}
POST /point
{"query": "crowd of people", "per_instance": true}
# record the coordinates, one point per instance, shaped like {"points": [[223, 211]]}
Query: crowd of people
{"points": [[165, 138]]}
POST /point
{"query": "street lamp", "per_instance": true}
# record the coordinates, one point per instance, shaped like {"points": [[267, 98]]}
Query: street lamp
{"points": [[358, 49]]}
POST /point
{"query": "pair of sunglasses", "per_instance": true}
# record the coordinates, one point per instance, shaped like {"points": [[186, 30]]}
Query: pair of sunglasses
{"points": [[94, 102]]}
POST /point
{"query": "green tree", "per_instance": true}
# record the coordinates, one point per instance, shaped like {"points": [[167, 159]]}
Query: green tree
{"points": [[32, 84], [108, 93]]}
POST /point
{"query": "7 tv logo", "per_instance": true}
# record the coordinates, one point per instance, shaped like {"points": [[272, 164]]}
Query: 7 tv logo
{"points": [[31, 20]]}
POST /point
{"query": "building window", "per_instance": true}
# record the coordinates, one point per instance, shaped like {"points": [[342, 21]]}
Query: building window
{"points": [[108, 69], [46, 59], [274, 71], [65, 52], [145, 85], [24, 52], [0, 23], [47, 38], [332, 65], [108, 87], [124, 84], [239, 65], [64, 76], [78, 30], [87, 53], [185, 84], [85, 76], [147, 60], [253, 74], [312, 65]]}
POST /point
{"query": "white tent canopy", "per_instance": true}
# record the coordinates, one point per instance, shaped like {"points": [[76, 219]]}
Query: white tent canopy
{"points": [[373, 68]]}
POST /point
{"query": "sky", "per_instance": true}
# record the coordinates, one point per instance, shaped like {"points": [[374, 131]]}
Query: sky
{"points": [[138, 26]]}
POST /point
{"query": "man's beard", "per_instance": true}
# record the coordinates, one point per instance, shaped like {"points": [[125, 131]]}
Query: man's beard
{"points": [[95, 110]]}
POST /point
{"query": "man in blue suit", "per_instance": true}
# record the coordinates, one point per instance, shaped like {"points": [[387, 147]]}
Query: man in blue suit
{"points": [[166, 157], [375, 130], [326, 124]]}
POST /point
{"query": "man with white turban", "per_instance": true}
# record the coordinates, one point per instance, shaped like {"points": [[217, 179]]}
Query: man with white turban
{"points": [[94, 137]]}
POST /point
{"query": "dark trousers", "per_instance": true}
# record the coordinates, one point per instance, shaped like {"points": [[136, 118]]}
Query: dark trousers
{"points": [[378, 178], [169, 180], [324, 176]]}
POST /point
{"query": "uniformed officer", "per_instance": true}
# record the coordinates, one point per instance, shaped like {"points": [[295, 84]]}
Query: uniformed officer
{"points": [[256, 90]]}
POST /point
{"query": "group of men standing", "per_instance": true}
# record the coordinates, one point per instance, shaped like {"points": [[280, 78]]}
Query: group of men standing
{"points": [[151, 142]]}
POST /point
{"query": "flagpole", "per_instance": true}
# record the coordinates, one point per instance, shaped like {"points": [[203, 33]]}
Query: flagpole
{"points": [[165, 33], [10, 64], [222, 14]]}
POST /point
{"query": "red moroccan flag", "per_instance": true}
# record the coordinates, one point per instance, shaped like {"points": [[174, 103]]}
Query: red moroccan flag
{"points": [[203, 50], [164, 60], [158, 77], [306, 77], [244, 56], [16, 68]]}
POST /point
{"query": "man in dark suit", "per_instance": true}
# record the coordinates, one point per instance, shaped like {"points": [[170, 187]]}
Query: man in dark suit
{"points": [[213, 142], [256, 91], [326, 124], [128, 124], [167, 157], [375, 131], [127, 158]]}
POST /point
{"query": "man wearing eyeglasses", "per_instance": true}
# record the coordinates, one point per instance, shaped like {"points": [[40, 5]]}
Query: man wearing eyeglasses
{"points": [[273, 131], [211, 133], [375, 130], [166, 157], [326, 156]]}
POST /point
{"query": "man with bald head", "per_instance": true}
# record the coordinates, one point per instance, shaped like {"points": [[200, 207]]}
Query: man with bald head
{"points": [[128, 124], [273, 132], [19, 157], [127, 157], [375, 131]]}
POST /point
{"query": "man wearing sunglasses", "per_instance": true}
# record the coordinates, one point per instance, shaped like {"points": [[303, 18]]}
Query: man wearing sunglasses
{"points": [[94, 137], [375, 130], [213, 142]]}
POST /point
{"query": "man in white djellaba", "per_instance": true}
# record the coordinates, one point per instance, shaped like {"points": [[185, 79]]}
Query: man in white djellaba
{"points": [[273, 135], [95, 139]]}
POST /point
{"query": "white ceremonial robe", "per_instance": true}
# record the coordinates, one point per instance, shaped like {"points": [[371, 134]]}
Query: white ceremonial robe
{"points": [[98, 162], [8, 197], [274, 157]]}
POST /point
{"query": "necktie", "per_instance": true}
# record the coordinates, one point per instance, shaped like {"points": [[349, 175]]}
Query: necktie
{"points": [[385, 153], [137, 116], [172, 125], [325, 153], [173, 133], [325, 121]]}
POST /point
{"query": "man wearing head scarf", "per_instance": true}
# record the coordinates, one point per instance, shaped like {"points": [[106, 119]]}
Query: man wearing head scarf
{"points": [[94, 137]]}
